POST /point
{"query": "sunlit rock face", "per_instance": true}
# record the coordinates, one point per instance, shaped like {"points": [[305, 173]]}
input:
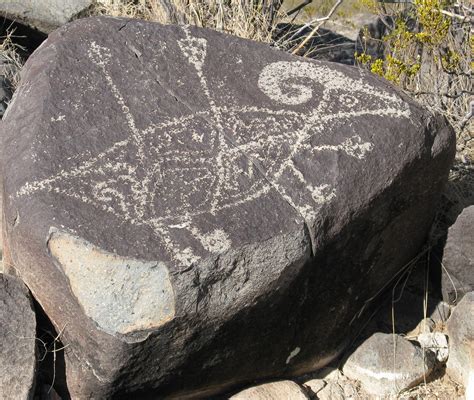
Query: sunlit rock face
{"points": [[193, 210]]}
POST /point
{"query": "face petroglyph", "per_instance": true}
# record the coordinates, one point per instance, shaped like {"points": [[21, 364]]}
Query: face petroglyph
{"points": [[209, 166]]}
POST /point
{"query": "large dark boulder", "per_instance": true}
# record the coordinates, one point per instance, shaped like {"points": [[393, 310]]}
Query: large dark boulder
{"points": [[194, 210], [17, 340]]}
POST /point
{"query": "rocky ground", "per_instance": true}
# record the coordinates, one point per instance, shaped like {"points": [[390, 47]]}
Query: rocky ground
{"points": [[418, 343]]}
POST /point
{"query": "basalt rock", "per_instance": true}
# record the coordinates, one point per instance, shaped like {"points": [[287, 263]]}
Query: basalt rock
{"points": [[207, 211]]}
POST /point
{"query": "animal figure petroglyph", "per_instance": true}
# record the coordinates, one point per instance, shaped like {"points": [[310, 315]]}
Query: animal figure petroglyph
{"points": [[211, 168]]}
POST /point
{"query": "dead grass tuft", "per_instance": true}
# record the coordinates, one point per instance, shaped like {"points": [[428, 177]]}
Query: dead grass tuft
{"points": [[247, 19], [10, 60]]}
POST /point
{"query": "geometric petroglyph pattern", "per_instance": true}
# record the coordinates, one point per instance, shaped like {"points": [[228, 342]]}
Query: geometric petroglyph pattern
{"points": [[216, 161]]}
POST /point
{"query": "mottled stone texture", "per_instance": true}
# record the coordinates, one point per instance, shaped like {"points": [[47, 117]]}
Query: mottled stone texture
{"points": [[206, 211], [17, 340]]}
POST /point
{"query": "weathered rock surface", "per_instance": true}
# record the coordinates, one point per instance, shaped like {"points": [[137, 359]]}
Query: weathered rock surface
{"points": [[194, 211], [460, 327], [435, 342], [386, 364], [44, 15], [331, 384], [17, 340], [458, 258], [280, 390]]}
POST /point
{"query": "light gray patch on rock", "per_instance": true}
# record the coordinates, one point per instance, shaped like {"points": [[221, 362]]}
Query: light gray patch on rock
{"points": [[122, 295]]}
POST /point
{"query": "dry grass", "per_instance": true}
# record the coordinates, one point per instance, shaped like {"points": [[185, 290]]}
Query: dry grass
{"points": [[10, 60], [247, 19]]}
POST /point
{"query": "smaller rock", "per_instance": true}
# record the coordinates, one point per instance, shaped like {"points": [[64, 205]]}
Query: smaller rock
{"points": [[460, 328], [332, 391], [458, 258], [436, 342], [280, 390], [386, 364], [44, 15], [315, 385], [350, 390], [426, 325], [17, 340]]}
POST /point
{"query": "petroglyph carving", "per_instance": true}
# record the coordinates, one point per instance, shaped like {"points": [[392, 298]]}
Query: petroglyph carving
{"points": [[224, 166], [121, 295]]}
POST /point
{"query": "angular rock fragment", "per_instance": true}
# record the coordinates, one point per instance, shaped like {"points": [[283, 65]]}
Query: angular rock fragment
{"points": [[332, 391], [436, 342], [386, 364], [17, 340], [280, 390], [315, 385], [192, 212], [457, 276], [460, 328]]}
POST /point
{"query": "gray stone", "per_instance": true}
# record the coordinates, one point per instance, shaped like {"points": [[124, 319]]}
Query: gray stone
{"points": [[350, 389], [436, 342], [315, 385], [458, 258], [193, 211], [280, 390], [332, 391], [460, 328], [17, 340], [386, 364], [44, 15]]}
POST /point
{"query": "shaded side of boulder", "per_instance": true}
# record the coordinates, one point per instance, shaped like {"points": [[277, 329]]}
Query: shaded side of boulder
{"points": [[17, 340]]}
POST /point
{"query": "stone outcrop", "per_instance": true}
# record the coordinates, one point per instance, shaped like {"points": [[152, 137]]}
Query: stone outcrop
{"points": [[17, 340], [194, 212], [44, 15], [387, 364], [457, 276]]}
